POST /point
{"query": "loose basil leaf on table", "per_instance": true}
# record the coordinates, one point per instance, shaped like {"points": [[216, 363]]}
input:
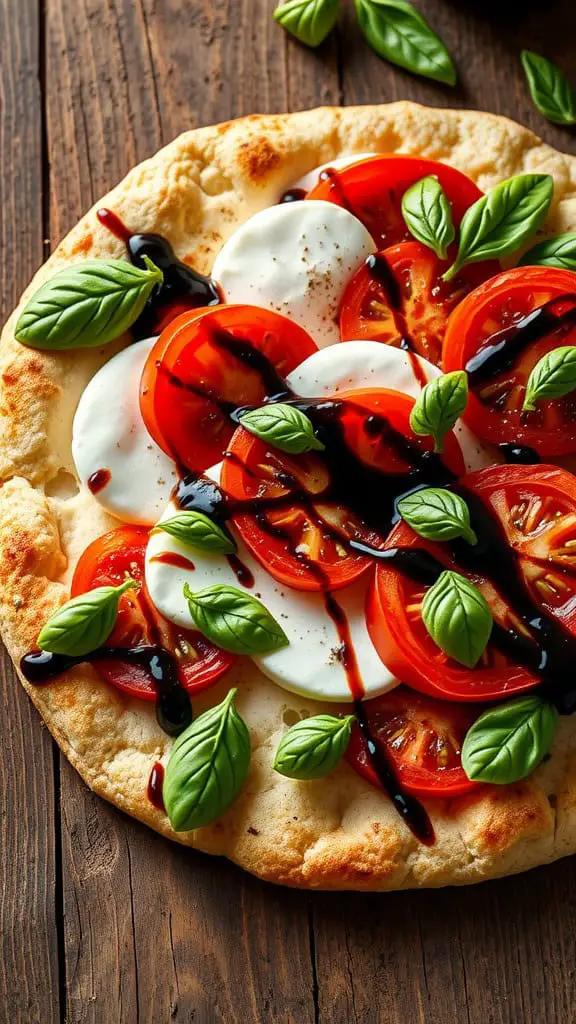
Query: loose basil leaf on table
{"points": [[554, 252], [313, 747], [437, 514], [508, 741], [498, 223], [439, 405], [284, 427], [309, 21], [399, 33], [234, 620], [198, 531], [84, 623], [87, 305], [553, 376], [457, 617], [207, 767], [552, 93], [428, 215]]}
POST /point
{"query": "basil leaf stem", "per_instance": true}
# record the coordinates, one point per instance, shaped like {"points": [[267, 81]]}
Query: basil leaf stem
{"points": [[508, 741], [87, 305], [550, 90], [284, 427], [313, 747], [84, 623], [309, 21], [428, 215], [553, 376], [234, 620], [457, 617], [439, 405], [198, 531], [437, 514], [207, 767], [398, 33], [553, 252]]}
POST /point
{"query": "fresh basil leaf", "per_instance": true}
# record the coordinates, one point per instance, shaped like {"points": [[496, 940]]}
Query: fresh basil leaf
{"points": [[550, 90], [399, 33], [428, 215], [84, 623], [309, 21], [498, 223], [234, 620], [439, 405], [437, 514], [198, 531], [87, 305], [313, 747], [508, 741], [553, 376], [457, 617], [207, 767], [554, 252], [283, 427]]}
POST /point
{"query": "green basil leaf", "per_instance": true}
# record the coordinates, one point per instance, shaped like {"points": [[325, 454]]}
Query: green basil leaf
{"points": [[234, 620], [437, 514], [457, 617], [498, 223], [439, 405], [309, 21], [399, 33], [284, 427], [84, 623], [207, 767], [554, 252], [550, 90], [87, 305], [198, 531], [313, 747], [553, 376], [428, 215], [508, 741]]}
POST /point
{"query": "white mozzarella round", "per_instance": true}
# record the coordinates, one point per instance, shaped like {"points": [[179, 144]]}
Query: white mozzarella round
{"points": [[295, 259], [309, 180], [109, 434], [371, 364], [311, 664]]}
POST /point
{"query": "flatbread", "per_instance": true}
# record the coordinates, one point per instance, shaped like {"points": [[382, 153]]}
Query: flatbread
{"points": [[338, 832]]}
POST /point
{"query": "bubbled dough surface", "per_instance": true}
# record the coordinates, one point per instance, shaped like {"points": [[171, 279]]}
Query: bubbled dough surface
{"points": [[334, 833]]}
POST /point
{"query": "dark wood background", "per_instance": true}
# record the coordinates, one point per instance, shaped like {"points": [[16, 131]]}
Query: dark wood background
{"points": [[101, 920]]}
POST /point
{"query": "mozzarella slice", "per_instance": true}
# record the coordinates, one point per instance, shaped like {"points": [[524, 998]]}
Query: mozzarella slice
{"points": [[309, 180], [109, 436], [295, 259], [371, 364], [311, 664]]}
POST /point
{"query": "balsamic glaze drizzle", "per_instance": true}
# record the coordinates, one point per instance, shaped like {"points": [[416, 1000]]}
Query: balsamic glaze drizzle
{"points": [[381, 272]]}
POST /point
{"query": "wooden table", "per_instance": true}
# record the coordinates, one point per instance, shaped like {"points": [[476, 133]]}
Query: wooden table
{"points": [[102, 920]]}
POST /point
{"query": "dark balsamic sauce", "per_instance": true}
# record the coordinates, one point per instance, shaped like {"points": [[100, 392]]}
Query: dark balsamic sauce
{"points": [[293, 195], [519, 455], [381, 272], [99, 480], [155, 784], [174, 559], [182, 288], [241, 571]]}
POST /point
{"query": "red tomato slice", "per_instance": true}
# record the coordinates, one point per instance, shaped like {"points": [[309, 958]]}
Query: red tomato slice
{"points": [[204, 365], [299, 520], [372, 190], [535, 508], [398, 298], [423, 739], [490, 315], [107, 562]]}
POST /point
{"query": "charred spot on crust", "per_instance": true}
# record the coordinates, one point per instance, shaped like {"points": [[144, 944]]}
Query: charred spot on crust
{"points": [[257, 159]]}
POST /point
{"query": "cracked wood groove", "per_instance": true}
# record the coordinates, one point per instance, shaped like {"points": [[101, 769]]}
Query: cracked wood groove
{"points": [[103, 921]]}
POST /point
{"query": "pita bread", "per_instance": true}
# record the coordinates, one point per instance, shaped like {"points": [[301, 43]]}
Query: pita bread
{"points": [[338, 832]]}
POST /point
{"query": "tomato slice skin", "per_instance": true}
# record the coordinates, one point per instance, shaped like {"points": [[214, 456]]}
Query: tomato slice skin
{"points": [[494, 406], [204, 365], [540, 500], [106, 562], [298, 543], [372, 190], [422, 737], [398, 298]]}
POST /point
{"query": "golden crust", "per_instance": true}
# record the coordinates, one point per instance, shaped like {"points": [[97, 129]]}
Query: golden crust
{"points": [[334, 833]]}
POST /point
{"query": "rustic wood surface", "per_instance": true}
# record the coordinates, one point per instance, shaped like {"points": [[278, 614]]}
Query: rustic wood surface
{"points": [[101, 920]]}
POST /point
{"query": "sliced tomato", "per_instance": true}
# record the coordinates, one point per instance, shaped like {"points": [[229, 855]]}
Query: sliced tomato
{"points": [[302, 511], [496, 318], [204, 365], [372, 190], [532, 509], [107, 562], [399, 298], [422, 737]]}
